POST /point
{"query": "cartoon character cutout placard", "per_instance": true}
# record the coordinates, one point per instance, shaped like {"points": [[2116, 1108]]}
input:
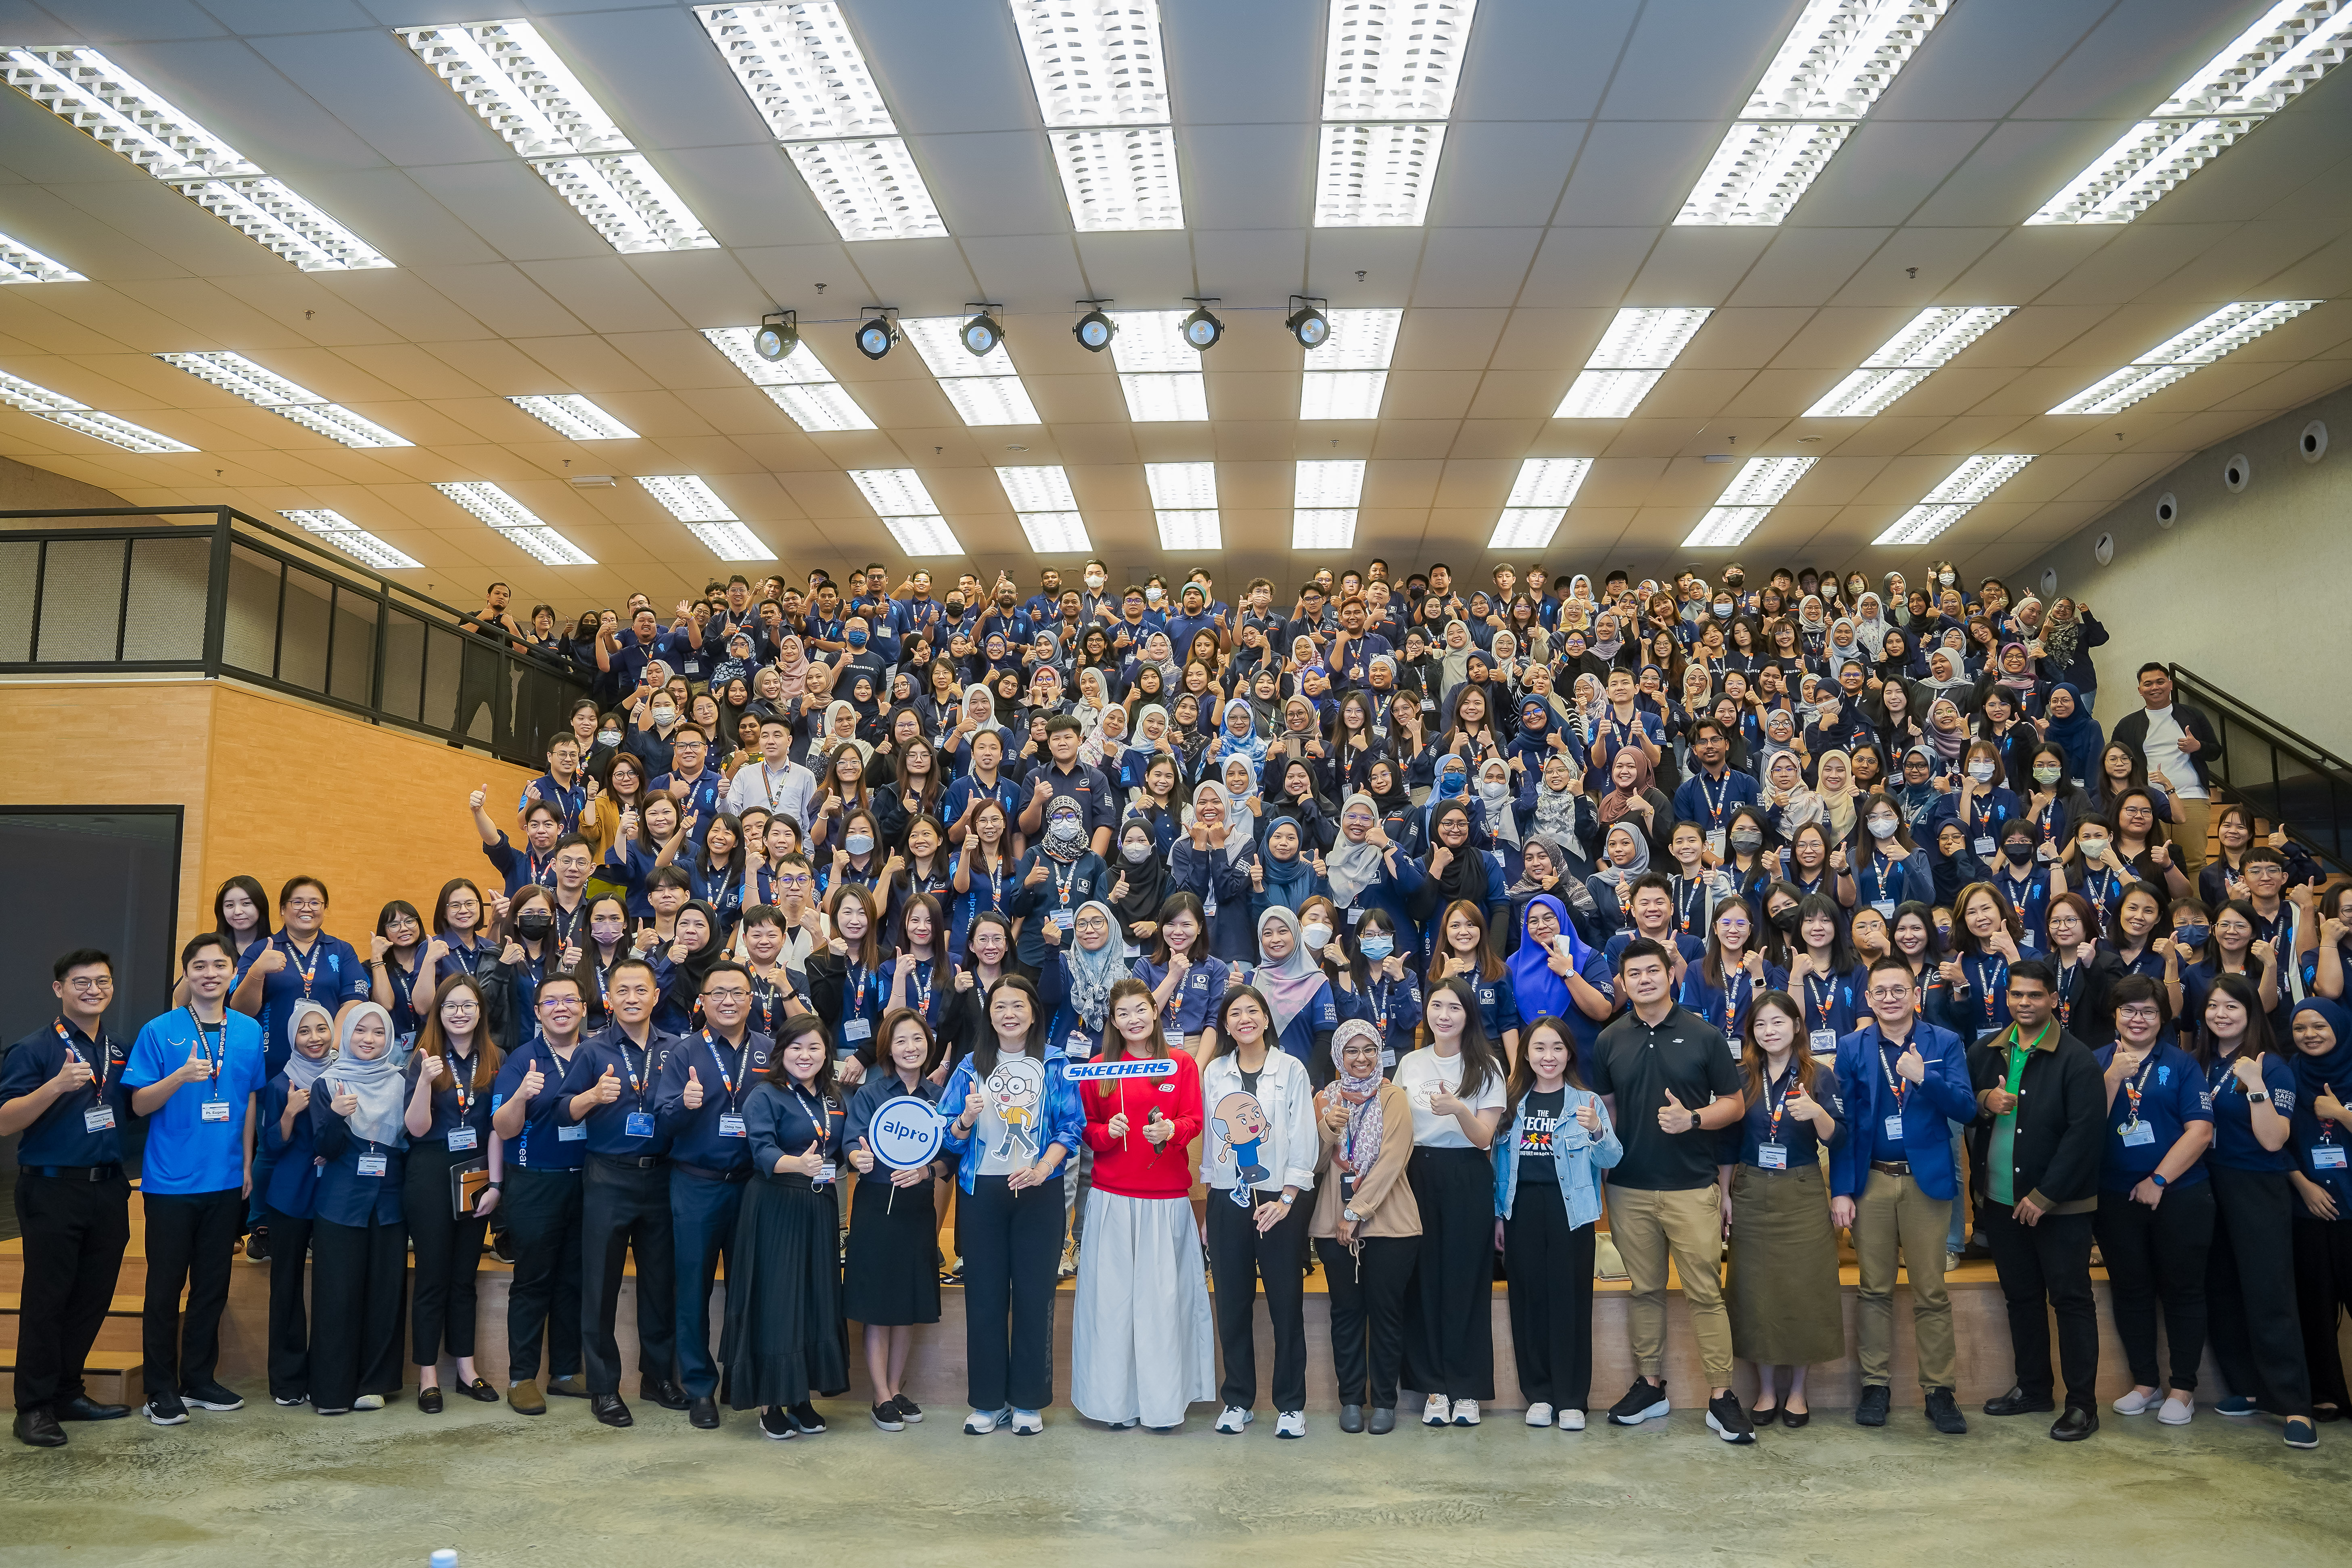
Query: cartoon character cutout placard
{"points": [[1240, 1122], [1015, 1096]]}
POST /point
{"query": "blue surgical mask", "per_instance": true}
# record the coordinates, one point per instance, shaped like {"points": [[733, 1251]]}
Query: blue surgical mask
{"points": [[1377, 945], [856, 637], [1449, 785], [2192, 936]]}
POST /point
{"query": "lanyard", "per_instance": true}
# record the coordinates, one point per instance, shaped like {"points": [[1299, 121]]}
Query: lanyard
{"points": [[1716, 798], [462, 1085], [820, 1125], [742, 1067], [561, 936], [1992, 982], [403, 986], [1820, 1008], [769, 997], [1684, 907], [106, 1057], [2220, 1082], [1895, 1083], [2066, 994], [1062, 883], [308, 972], [1735, 1004], [857, 987], [636, 1085], [1787, 1085], [2018, 901], [204, 1043], [2134, 1086]]}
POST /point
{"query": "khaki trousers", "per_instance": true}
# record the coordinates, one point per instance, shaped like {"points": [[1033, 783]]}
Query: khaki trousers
{"points": [[1647, 1227], [1894, 1216], [2188, 836]]}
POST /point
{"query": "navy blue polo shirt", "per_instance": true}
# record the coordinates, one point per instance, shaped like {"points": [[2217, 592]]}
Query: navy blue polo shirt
{"points": [[2172, 1093], [1083, 784], [293, 1187], [447, 1115], [727, 1073], [2235, 1147], [331, 975], [344, 1197], [518, 869], [1192, 1005], [542, 1146], [62, 1135], [639, 1071], [1795, 1134]]}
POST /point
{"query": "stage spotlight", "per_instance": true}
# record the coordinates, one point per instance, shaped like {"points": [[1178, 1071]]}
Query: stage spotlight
{"points": [[981, 334], [1308, 324], [1095, 330], [1202, 330], [877, 332], [779, 334]]}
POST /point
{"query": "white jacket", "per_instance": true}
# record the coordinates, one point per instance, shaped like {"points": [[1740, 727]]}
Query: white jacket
{"points": [[1289, 1147]]}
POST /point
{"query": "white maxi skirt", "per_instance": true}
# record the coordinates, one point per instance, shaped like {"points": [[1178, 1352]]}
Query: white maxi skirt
{"points": [[1142, 1345]]}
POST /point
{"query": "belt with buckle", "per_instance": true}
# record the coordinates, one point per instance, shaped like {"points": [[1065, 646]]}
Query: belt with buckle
{"points": [[631, 1162], [738, 1173], [79, 1173], [1892, 1167]]}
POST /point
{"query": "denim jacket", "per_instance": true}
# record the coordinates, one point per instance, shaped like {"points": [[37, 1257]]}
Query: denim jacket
{"points": [[1578, 1155], [1062, 1118]]}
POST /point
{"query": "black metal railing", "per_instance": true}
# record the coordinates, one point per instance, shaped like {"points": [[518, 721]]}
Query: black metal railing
{"points": [[2295, 783], [130, 592]]}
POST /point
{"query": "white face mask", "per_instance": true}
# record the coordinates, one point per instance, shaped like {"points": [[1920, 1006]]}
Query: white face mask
{"points": [[665, 715], [1493, 790], [608, 737], [1947, 578], [1316, 938], [1881, 828], [1982, 771], [1095, 580]]}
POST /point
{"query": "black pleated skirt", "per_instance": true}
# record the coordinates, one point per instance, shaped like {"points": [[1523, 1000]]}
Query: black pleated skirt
{"points": [[784, 1336], [894, 1263]]}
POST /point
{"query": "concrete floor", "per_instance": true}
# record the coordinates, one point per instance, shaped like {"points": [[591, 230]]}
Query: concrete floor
{"points": [[265, 1486]]}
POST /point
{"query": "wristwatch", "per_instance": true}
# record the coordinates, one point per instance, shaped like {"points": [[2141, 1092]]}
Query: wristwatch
{"points": [[1693, 1126], [1350, 1215], [1287, 1199], [2259, 1096], [2157, 1177]]}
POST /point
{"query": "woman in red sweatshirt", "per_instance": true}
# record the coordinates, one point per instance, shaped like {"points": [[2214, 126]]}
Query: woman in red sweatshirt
{"points": [[1141, 1347]]}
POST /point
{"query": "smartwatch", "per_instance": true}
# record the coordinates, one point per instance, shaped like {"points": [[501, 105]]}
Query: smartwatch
{"points": [[2157, 1177]]}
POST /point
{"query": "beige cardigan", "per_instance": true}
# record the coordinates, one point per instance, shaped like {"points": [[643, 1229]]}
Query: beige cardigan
{"points": [[1383, 1201]]}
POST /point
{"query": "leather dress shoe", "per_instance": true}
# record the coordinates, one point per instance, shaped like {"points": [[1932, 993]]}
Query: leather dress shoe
{"points": [[1383, 1421], [2017, 1402], [2076, 1425], [666, 1394], [703, 1414], [37, 1428], [610, 1409], [428, 1401], [1351, 1418], [479, 1392], [82, 1407]]}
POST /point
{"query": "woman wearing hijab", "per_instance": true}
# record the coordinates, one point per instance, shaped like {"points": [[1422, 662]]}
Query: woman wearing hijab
{"points": [[1549, 951], [1080, 968], [1947, 735], [1237, 737], [1625, 859], [357, 1239], [2067, 722], [1632, 795], [1141, 883], [1871, 626], [2322, 1130], [1367, 1227], [288, 1198], [1552, 805], [1301, 1010], [1455, 870], [1212, 861], [1364, 870], [2013, 673], [1454, 659], [2069, 633], [1281, 875]]}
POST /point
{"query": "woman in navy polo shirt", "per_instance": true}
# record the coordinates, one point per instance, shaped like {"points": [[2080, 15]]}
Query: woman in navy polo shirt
{"points": [[287, 1202], [1187, 985], [357, 1238], [451, 1083], [2323, 1184]]}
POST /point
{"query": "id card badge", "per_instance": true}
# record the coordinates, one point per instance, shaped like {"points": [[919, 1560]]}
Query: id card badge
{"points": [[462, 1138], [1388, 1059], [1885, 908], [2028, 941], [1066, 919], [1772, 1156], [640, 1124], [857, 1028], [1717, 840], [826, 1172], [1822, 1042], [1080, 1047], [1175, 1040], [1131, 952], [215, 1110], [100, 1118], [1354, 915], [1983, 847], [2138, 1134], [2327, 1157], [1894, 1127], [572, 1134], [373, 1164], [1209, 904], [730, 1125], [1429, 705]]}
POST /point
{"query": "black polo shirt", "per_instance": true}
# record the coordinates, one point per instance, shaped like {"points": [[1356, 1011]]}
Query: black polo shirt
{"points": [[1638, 1064]]}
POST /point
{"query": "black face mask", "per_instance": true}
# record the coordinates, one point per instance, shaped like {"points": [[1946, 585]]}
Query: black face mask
{"points": [[2019, 853], [1789, 922], [535, 923]]}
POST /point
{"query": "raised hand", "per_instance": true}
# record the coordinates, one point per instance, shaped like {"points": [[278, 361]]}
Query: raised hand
{"points": [[72, 1074], [345, 1101], [378, 946], [1037, 873], [693, 1096], [606, 1089], [428, 1068], [474, 801], [1674, 1116], [532, 1082]]}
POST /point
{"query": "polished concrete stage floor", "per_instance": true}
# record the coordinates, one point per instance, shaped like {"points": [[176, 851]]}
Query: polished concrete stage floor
{"points": [[265, 1486]]}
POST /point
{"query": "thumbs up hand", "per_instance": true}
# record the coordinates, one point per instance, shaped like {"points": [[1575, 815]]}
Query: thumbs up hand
{"points": [[532, 1082], [1674, 1116], [693, 1090], [346, 1101], [608, 1088], [862, 1157], [1911, 1065]]}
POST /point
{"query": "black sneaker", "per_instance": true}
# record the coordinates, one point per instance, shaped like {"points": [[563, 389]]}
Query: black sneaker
{"points": [[1871, 1410], [1643, 1402], [502, 1246], [212, 1396], [1944, 1411], [774, 1422], [1727, 1420], [885, 1416], [805, 1418], [256, 1245], [165, 1410], [908, 1409]]}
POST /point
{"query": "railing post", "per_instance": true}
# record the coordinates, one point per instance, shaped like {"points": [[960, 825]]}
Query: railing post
{"points": [[216, 596], [382, 650]]}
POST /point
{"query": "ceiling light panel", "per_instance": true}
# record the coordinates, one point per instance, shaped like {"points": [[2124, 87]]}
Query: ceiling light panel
{"points": [[22, 264], [349, 538], [1751, 496], [984, 389], [1158, 372], [708, 519], [90, 93], [798, 384], [904, 503], [1539, 500], [81, 417], [1323, 497], [1634, 353], [1931, 338], [1049, 514], [2226, 330], [1375, 176], [1184, 505], [2290, 46], [1101, 82], [1830, 69], [1348, 374], [508, 73], [571, 414], [1342, 394], [802, 69], [267, 389], [1962, 488], [1390, 68], [516, 522]]}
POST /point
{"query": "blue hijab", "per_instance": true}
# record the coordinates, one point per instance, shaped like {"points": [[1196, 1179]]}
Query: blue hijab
{"points": [[1540, 993], [2334, 1070], [2080, 735]]}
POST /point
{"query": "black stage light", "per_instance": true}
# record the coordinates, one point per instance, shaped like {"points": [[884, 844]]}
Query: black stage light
{"points": [[981, 334], [1095, 330], [1202, 330], [779, 334], [1310, 326], [877, 332]]}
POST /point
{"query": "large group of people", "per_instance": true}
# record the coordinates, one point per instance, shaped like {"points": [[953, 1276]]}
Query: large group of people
{"points": [[1433, 924]]}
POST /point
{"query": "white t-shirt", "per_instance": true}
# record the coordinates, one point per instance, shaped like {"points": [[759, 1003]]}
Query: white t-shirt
{"points": [[2162, 750], [1421, 1075], [1012, 1116]]}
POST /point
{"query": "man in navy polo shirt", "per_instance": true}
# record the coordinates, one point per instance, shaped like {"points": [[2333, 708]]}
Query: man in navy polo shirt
{"points": [[62, 1088], [541, 1201], [1065, 775]]}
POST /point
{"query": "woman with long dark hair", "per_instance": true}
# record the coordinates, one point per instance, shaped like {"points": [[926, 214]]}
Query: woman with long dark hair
{"points": [[890, 1282], [451, 1081], [1454, 1085]]}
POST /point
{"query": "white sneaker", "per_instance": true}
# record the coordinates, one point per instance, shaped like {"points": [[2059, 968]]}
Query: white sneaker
{"points": [[981, 1423], [2133, 1402], [368, 1402], [1538, 1413], [2177, 1409], [1571, 1420], [1465, 1413], [1290, 1424], [1027, 1423], [1233, 1418], [1433, 1413]]}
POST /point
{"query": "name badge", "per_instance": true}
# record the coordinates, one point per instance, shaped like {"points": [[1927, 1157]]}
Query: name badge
{"points": [[826, 1172], [1894, 1126], [1885, 908], [1429, 705], [1715, 841], [1209, 904], [2138, 1134], [731, 1125], [1175, 1040], [857, 1028], [1388, 1059], [572, 1134], [1079, 1048], [2327, 1156], [215, 1110], [1354, 915], [2028, 941], [1066, 919], [1772, 1156], [464, 1137], [100, 1120], [373, 1164], [1131, 952], [1822, 1042], [639, 1124], [1983, 847]]}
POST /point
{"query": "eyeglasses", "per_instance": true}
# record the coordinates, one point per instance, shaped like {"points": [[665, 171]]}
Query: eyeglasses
{"points": [[306, 903], [91, 987], [2140, 1011], [732, 993], [1880, 994]]}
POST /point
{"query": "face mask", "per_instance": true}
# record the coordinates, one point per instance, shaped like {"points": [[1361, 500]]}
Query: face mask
{"points": [[1094, 580], [1449, 785], [1883, 826], [1733, 581], [2191, 936], [860, 843], [1789, 922], [1493, 790], [1945, 578], [1723, 610], [2092, 849], [535, 923], [1153, 595], [955, 606], [1981, 772], [2046, 774], [1135, 854], [2019, 851], [1316, 938], [665, 715], [1747, 841], [856, 637], [608, 737]]}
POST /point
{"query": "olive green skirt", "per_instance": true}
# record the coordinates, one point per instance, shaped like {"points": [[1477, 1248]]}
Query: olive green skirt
{"points": [[1782, 1286]]}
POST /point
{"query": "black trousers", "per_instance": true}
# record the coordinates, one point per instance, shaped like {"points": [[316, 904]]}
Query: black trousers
{"points": [[289, 1312], [2157, 1256], [1550, 1266], [74, 1233], [2045, 1268], [447, 1254], [188, 1242], [1367, 1299], [542, 1210], [358, 1288], [2249, 1290], [1012, 1245], [624, 1209], [1239, 1260], [1449, 1326], [2322, 1290]]}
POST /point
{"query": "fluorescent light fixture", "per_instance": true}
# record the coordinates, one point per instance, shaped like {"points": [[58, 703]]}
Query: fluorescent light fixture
{"points": [[1158, 372], [902, 500], [802, 69], [508, 73], [1164, 398], [20, 263], [984, 389], [1184, 504], [1101, 81], [1049, 514], [267, 389], [1539, 500], [1389, 68], [1945, 505], [1834, 63], [1906, 359], [349, 538], [798, 384], [571, 414], [516, 522], [92, 94], [1323, 497], [2286, 50], [2226, 330], [1342, 394], [1347, 375], [1638, 346], [59, 409], [1375, 176], [1753, 492], [708, 519]]}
